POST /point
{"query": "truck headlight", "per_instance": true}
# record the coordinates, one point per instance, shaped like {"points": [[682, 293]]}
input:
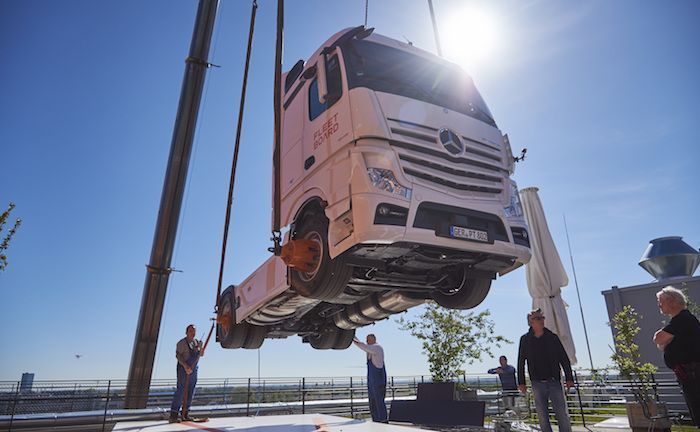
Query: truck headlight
{"points": [[514, 209], [384, 179]]}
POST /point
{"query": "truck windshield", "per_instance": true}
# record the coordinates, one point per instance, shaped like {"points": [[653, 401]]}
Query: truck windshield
{"points": [[386, 69]]}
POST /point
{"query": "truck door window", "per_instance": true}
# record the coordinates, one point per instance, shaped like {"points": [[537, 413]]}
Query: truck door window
{"points": [[335, 89]]}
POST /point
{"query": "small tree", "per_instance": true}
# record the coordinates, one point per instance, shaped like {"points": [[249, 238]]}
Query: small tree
{"points": [[6, 241], [451, 338], [600, 375], [626, 355]]}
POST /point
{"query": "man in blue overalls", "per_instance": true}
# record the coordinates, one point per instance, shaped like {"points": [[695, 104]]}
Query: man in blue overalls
{"points": [[187, 351], [376, 377]]}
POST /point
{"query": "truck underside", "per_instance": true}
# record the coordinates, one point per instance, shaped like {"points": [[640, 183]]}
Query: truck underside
{"points": [[365, 284]]}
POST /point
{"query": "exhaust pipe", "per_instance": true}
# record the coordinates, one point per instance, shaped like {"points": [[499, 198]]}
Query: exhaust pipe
{"points": [[374, 308]]}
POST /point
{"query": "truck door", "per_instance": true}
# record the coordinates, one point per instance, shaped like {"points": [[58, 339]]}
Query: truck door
{"points": [[328, 127], [293, 120]]}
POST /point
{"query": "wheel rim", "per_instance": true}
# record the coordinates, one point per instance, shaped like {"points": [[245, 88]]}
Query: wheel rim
{"points": [[316, 238], [460, 286]]}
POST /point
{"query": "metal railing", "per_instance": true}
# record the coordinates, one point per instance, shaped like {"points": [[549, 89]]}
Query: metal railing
{"points": [[595, 400], [102, 401]]}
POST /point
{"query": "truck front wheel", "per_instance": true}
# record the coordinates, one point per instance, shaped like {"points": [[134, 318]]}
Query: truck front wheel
{"points": [[326, 278], [468, 295]]}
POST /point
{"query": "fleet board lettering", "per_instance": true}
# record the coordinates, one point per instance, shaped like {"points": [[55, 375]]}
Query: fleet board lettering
{"points": [[328, 128]]}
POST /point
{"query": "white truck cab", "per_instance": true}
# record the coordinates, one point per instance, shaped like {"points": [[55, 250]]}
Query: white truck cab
{"points": [[396, 187]]}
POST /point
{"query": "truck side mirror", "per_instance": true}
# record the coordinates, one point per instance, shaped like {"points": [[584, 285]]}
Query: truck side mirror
{"points": [[322, 81]]}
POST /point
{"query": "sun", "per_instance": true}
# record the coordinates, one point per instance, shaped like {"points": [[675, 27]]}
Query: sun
{"points": [[471, 37]]}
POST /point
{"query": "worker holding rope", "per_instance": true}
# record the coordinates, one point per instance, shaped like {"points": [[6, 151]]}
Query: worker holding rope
{"points": [[187, 351]]}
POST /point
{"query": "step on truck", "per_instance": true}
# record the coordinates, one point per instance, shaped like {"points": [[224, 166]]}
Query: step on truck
{"points": [[396, 189]]}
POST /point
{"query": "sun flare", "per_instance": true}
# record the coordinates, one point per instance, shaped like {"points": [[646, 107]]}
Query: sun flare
{"points": [[471, 37]]}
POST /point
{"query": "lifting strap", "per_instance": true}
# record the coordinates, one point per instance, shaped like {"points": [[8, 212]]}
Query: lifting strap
{"points": [[235, 155]]}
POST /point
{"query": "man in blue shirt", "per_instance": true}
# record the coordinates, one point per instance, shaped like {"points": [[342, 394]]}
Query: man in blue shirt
{"points": [[506, 373]]}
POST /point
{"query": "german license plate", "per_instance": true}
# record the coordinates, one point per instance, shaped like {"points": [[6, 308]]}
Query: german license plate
{"points": [[469, 234]]}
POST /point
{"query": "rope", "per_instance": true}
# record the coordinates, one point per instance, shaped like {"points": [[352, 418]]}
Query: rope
{"points": [[184, 396], [234, 162]]}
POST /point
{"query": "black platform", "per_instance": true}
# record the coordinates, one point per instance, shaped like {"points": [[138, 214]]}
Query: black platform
{"points": [[442, 413]]}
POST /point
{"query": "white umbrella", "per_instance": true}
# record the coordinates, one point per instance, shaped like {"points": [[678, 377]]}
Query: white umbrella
{"points": [[545, 272]]}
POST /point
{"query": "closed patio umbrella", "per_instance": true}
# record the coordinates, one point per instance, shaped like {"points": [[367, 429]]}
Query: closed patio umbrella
{"points": [[545, 273]]}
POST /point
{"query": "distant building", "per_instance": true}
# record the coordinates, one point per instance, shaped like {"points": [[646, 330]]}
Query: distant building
{"points": [[27, 382]]}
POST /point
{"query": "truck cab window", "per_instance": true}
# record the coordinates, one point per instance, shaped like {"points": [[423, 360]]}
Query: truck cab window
{"points": [[389, 70], [335, 89]]}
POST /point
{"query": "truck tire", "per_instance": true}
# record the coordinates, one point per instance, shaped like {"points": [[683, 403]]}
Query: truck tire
{"points": [[469, 295], [344, 339], [332, 338], [232, 335], [256, 336], [330, 276], [323, 341]]}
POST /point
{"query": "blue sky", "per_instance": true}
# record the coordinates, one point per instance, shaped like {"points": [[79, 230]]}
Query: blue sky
{"points": [[603, 94]]}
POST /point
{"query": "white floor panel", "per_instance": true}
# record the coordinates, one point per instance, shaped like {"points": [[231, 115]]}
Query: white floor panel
{"points": [[285, 423]]}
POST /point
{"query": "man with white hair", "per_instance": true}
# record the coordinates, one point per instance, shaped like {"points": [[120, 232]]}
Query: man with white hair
{"points": [[680, 342]]}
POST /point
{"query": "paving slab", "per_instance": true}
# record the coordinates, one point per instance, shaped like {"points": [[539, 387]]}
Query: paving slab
{"points": [[283, 423], [613, 424], [617, 422]]}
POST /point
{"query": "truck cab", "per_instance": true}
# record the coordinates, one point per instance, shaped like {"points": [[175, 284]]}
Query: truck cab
{"points": [[396, 189]]}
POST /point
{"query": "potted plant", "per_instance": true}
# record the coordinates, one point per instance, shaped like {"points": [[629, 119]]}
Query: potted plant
{"points": [[451, 338], [640, 375]]}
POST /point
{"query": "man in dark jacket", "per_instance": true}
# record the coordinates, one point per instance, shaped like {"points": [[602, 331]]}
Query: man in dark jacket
{"points": [[545, 358]]}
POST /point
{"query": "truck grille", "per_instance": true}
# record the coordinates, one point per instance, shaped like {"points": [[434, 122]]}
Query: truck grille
{"points": [[477, 172]]}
